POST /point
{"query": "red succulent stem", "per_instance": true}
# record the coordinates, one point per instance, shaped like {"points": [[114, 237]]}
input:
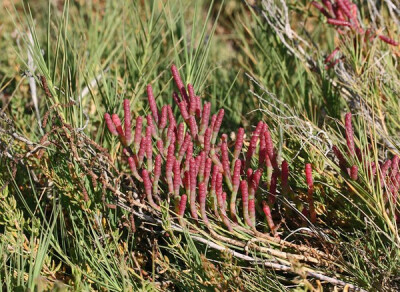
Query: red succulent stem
{"points": [[163, 119], [225, 164], [180, 135], [138, 133], [177, 177], [205, 117], [388, 40], [339, 22], [169, 166], [117, 123], [152, 103], [179, 83], [217, 125], [171, 117], [354, 172], [202, 202], [149, 155], [310, 184], [193, 180], [207, 170], [245, 201], [213, 190], [320, 8], [181, 209], [272, 189], [236, 184], [110, 124], [268, 216], [183, 148], [148, 189], [157, 173]]}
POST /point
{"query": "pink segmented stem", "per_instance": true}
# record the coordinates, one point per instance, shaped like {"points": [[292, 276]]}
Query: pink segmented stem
{"points": [[183, 108], [207, 140], [180, 135], [388, 40], [169, 166], [193, 176], [339, 156], [354, 172], [189, 154], [310, 184], [221, 204], [127, 122], [268, 216], [217, 125], [205, 117], [272, 189], [193, 127], [270, 170], [198, 107], [331, 55], [157, 173], [207, 170], [320, 8], [252, 211], [344, 8], [285, 177], [142, 150], [117, 123], [309, 178], [235, 188], [182, 205], [110, 124], [245, 201], [152, 103], [186, 181], [163, 119], [151, 125], [202, 202], [191, 91], [148, 189], [132, 166], [213, 189], [262, 152], [202, 166], [171, 117], [225, 164], [184, 147], [251, 150], [269, 145], [160, 147], [177, 177], [178, 82], [255, 181], [176, 97], [138, 133], [328, 5], [338, 22], [349, 135], [149, 155], [192, 104], [217, 162], [238, 143]]}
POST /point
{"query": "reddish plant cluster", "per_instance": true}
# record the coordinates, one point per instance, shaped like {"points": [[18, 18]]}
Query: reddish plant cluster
{"points": [[198, 169], [343, 14], [388, 174]]}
